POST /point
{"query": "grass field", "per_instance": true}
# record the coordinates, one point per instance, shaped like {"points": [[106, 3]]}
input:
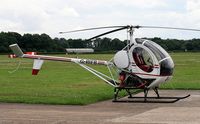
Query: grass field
{"points": [[67, 83]]}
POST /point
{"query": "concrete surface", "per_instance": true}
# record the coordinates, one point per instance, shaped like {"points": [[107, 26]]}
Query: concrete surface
{"points": [[186, 111]]}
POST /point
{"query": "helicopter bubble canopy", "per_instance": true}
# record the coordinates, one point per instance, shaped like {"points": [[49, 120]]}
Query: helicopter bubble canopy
{"points": [[162, 57]]}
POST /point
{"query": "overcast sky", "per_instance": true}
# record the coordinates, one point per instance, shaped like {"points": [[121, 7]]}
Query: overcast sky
{"points": [[53, 16]]}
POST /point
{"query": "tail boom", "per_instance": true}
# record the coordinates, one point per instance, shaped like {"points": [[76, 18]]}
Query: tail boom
{"points": [[18, 52], [66, 59]]}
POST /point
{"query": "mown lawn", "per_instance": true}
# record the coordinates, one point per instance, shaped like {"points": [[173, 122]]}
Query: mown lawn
{"points": [[67, 83]]}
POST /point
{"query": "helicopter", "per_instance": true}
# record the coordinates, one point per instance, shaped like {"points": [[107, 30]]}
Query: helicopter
{"points": [[141, 65]]}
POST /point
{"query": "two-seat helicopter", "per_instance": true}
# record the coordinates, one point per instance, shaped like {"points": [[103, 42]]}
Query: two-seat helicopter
{"points": [[142, 64]]}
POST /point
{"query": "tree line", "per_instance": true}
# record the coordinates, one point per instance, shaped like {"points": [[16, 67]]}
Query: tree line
{"points": [[44, 43]]}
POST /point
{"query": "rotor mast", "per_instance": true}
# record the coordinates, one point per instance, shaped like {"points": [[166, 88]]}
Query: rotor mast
{"points": [[131, 31]]}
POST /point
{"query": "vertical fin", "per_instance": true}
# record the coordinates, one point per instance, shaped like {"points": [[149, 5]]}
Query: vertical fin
{"points": [[16, 50], [37, 64]]}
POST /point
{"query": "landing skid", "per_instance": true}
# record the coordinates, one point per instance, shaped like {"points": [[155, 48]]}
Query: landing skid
{"points": [[145, 99]]}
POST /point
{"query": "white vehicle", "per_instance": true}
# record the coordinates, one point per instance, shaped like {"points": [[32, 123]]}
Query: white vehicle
{"points": [[142, 64]]}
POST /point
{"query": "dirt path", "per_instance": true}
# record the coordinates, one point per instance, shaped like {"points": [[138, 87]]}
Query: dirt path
{"points": [[107, 112]]}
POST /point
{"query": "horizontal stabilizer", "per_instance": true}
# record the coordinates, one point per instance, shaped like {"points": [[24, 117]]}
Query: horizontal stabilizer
{"points": [[37, 64], [16, 50]]}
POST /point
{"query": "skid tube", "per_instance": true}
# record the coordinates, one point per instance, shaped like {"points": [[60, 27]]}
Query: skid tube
{"points": [[145, 99]]}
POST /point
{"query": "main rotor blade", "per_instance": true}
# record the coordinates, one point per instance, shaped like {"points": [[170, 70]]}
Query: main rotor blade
{"points": [[188, 29], [124, 27], [91, 29]]}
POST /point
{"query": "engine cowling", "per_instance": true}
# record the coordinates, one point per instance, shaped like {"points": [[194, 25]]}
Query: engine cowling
{"points": [[121, 59]]}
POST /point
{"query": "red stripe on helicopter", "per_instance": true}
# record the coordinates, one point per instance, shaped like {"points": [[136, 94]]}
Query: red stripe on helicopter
{"points": [[149, 74], [156, 66]]}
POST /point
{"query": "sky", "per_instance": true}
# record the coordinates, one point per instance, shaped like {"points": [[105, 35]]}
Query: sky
{"points": [[53, 16]]}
